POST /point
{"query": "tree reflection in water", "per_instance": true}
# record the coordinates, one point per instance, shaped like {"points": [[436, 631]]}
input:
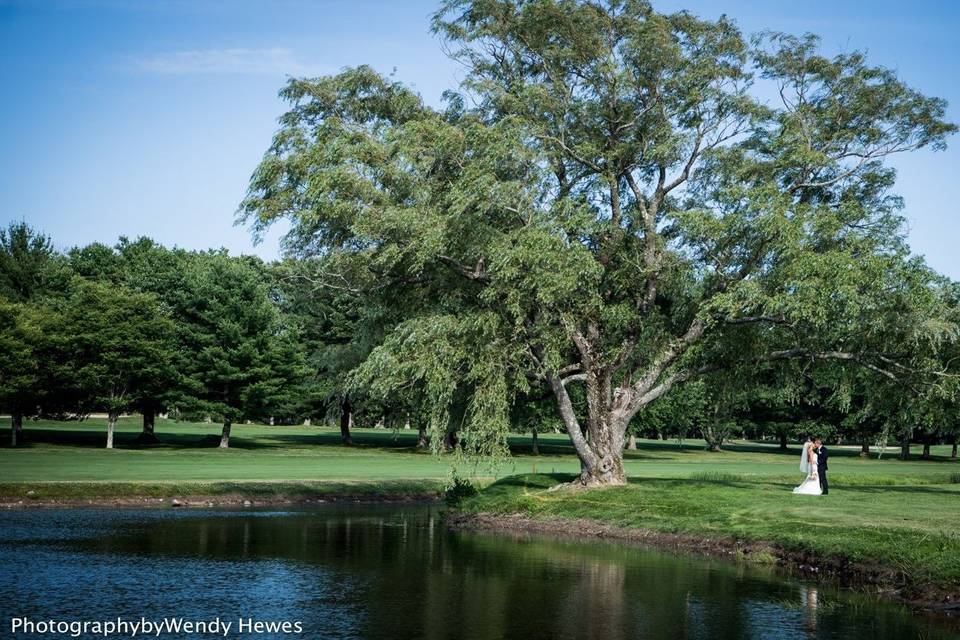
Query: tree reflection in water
{"points": [[389, 572]]}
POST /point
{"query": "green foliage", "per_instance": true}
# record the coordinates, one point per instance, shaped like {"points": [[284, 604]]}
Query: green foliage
{"points": [[678, 415], [617, 208], [458, 489], [117, 346], [30, 268], [238, 359], [27, 343]]}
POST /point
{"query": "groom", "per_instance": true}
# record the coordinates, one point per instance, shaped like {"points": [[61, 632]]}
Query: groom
{"points": [[822, 456]]}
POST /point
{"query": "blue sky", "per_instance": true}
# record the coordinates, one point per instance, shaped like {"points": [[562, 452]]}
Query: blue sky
{"points": [[140, 117]]}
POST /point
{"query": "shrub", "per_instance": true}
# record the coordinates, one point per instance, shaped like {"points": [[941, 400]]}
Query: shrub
{"points": [[458, 489]]}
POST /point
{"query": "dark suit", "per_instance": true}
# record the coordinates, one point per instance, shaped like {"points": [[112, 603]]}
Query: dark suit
{"points": [[822, 455]]}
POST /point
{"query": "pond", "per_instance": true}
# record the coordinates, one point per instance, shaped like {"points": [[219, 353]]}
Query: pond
{"points": [[395, 572]]}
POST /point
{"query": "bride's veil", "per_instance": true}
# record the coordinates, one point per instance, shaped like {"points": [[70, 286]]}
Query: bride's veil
{"points": [[804, 459]]}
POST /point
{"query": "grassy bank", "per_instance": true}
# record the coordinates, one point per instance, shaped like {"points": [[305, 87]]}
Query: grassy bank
{"points": [[67, 459], [910, 529]]}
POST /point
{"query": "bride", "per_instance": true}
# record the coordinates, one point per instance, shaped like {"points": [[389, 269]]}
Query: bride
{"points": [[808, 464]]}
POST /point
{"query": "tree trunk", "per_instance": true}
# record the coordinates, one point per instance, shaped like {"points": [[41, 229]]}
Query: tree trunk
{"points": [[713, 437], [16, 428], [346, 419], [422, 441], [865, 448], [659, 436], [225, 435], [111, 423], [783, 441], [535, 449], [149, 423], [605, 467], [599, 447], [632, 442], [606, 471], [926, 447], [147, 435], [953, 452], [450, 441], [905, 447]]}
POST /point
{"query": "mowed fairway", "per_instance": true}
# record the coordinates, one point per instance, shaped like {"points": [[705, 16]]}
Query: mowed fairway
{"points": [[73, 452]]}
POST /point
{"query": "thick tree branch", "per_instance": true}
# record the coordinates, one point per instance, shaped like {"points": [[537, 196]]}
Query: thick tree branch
{"points": [[570, 421], [477, 273]]}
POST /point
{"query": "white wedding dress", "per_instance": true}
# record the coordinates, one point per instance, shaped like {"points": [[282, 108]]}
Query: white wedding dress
{"points": [[811, 482]]}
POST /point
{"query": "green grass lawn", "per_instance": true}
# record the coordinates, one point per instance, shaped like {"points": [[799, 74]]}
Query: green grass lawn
{"points": [[73, 452]]}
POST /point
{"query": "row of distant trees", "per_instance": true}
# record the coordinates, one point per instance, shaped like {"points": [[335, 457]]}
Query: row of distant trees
{"points": [[138, 327], [767, 412]]}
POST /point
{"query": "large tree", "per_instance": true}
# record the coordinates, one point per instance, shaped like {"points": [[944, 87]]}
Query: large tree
{"points": [[238, 358], [144, 266], [25, 342], [619, 208], [32, 272], [116, 343]]}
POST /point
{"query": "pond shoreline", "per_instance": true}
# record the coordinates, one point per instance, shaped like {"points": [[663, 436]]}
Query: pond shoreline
{"points": [[207, 501], [886, 581], [211, 494]]}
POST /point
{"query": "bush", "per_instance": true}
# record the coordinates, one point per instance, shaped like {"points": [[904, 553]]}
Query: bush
{"points": [[458, 489]]}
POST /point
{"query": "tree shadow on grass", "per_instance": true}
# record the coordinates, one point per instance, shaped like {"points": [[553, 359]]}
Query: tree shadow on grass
{"points": [[930, 489], [95, 438]]}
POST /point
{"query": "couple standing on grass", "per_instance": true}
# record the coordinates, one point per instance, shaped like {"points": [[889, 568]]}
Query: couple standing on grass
{"points": [[813, 462]]}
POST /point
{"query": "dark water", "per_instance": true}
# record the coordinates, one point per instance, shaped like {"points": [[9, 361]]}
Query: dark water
{"points": [[394, 573]]}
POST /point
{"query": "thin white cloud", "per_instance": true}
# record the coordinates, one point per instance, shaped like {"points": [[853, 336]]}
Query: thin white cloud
{"points": [[275, 61]]}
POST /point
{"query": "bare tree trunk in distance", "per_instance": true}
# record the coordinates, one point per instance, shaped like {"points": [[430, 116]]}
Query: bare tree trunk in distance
{"points": [[449, 441], [713, 436], [783, 441], [865, 447], [346, 419], [422, 441], [147, 435], [632, 442], [111, 423], [905, 447], [225, 435], [16, 428], [149, 423], [953, 452], [535, 449], [926, 447]]}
